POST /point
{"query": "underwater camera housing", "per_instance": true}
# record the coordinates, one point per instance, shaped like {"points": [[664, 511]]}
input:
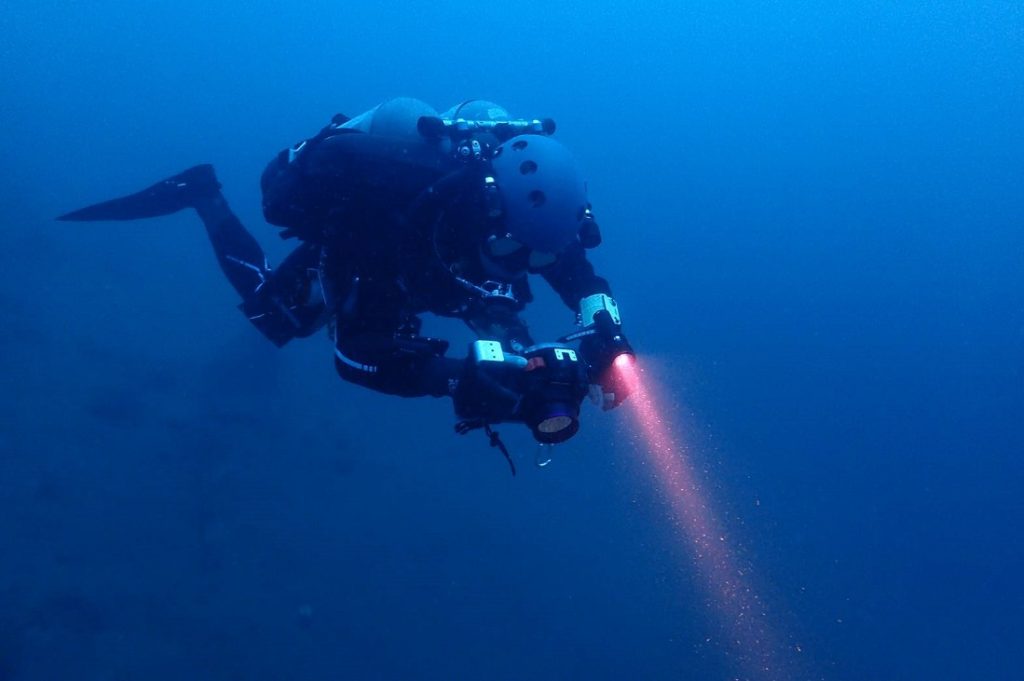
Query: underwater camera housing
{"points": [[541, 388], [555, 384]]}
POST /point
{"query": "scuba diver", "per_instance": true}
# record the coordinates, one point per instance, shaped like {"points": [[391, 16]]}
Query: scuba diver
{"points": [[402, 211]]}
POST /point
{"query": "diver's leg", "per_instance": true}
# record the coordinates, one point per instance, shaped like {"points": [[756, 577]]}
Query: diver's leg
{"points": [[393, 365], [378, 347], [282, 304], [388, 362], [290, 303], [240, 256], [163, 198]]}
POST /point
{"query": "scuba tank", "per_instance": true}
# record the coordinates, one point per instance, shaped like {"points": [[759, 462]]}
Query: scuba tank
{"points": [[354, 166]]}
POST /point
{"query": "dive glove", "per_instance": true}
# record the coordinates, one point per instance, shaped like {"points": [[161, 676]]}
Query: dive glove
{"points": [[610, 384]]}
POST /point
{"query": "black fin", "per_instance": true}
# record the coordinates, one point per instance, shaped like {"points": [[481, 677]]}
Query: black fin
{"points": [[163, 198]]}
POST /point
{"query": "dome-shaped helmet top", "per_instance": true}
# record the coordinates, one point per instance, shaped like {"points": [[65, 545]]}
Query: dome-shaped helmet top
{"points": [[543, 196], [477, 110]]}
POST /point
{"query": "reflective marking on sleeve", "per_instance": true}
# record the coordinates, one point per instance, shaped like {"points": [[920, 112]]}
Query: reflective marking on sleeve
{"points": [[365, 368]]}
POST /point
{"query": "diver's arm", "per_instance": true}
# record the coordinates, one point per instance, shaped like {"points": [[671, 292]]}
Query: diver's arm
{"points": [[573, 278], [601, 338]]}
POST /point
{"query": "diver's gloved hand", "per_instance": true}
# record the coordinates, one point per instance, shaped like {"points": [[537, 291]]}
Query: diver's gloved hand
{"points": [[488, 386], [610, 384]]}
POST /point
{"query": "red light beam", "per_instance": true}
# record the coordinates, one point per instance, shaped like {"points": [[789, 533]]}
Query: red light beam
{"points": [[738, 607]]}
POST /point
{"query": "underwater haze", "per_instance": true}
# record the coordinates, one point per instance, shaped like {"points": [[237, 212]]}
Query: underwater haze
{"points": [[813, 219]]}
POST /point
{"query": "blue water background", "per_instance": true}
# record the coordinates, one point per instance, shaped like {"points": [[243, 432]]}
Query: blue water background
{"points": [[814, 224]]}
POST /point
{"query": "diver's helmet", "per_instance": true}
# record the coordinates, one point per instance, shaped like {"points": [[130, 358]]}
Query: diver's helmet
{"points": [[537, 203]]}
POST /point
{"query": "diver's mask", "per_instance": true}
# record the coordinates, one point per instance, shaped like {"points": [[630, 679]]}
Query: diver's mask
{"points": [[511, 255]]}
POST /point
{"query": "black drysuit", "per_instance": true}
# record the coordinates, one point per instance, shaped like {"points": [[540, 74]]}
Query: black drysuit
{"points": [[389, 230]]}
